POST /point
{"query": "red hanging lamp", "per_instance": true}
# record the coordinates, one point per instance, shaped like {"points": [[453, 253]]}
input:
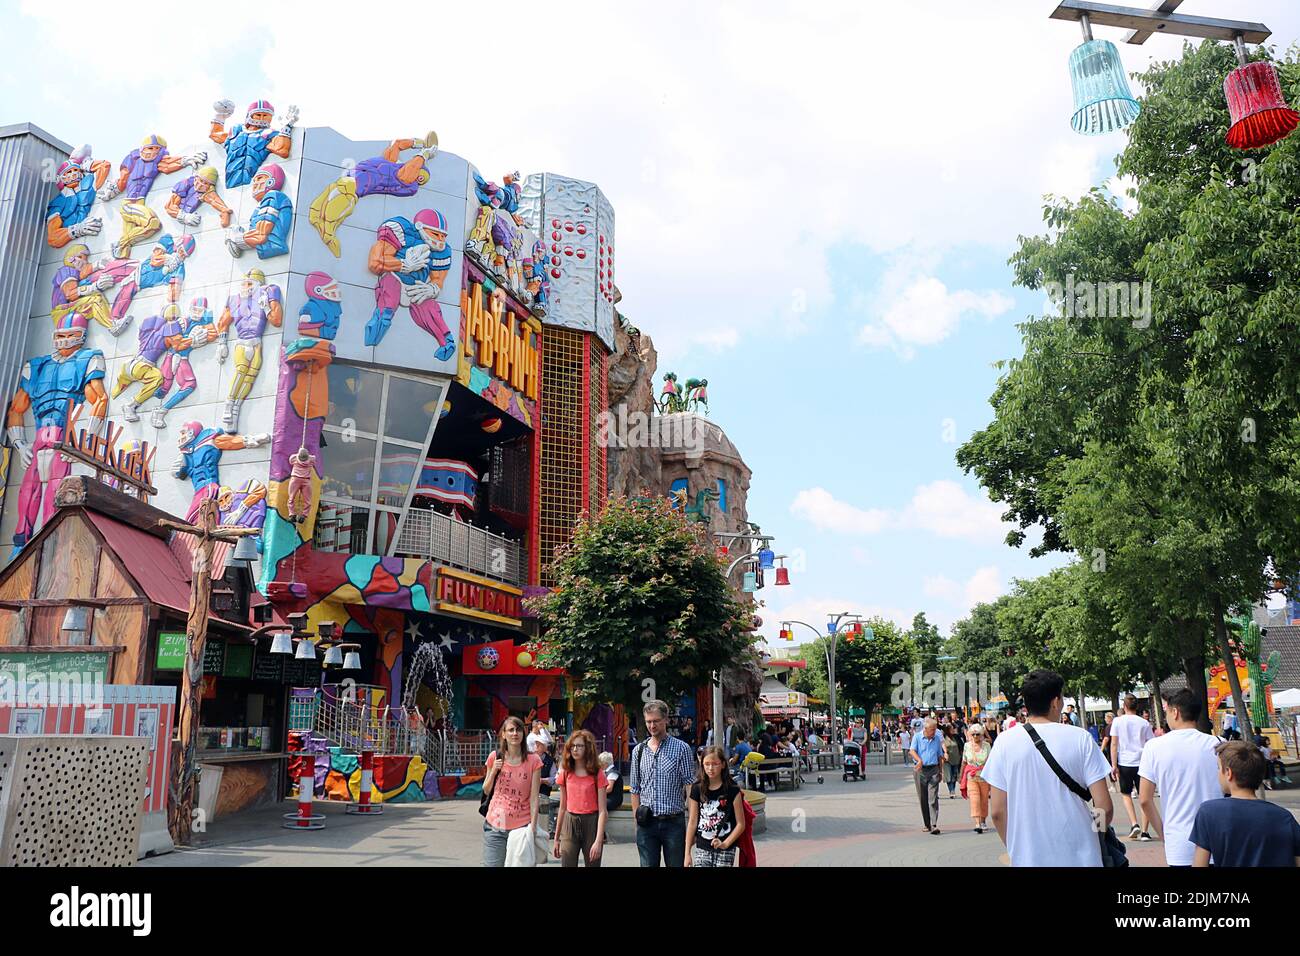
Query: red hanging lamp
{"points": [[1259, 110]]}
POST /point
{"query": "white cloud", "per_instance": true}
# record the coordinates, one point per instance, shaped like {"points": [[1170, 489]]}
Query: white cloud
{"points": [[984, 586], [939, 586], [944, 508], [947, 510], [827, 513], [925, 312]]}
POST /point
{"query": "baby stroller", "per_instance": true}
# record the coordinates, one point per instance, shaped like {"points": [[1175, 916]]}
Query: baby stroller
{"points": [[853, 762]]}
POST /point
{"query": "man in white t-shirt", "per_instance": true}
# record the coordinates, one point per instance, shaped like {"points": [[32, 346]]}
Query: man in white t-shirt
{"points": [[1183, 766], [1041, 821], [1128, 735]]}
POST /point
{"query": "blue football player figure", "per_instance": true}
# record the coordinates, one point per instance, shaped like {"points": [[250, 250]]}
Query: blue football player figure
{"points": [[412, 260], [200, 461], [79, 178], [247, 146], [268, 228]]}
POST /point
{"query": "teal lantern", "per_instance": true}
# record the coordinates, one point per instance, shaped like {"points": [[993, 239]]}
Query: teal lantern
{"points": [[751, 582], [1102, 100]]}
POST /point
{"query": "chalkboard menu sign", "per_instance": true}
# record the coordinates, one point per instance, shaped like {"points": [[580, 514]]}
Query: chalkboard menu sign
{"points": [[214, 656], [267, 666], [239, 661], [302, 673]]}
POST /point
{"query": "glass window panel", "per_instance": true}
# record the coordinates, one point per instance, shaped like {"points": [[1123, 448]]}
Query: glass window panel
{"points": [[347, 467], [411, 406], [396, 472], [354, 397], [341, 528]]}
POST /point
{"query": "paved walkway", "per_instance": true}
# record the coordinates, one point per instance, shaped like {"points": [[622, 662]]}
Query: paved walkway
{"points": [[876, 822]]}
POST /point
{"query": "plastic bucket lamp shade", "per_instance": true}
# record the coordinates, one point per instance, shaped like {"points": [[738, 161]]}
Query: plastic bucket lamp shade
{"points": [[352, 661], [306, 651], [782, 577], [766, 558], [334, 656], [751, 582], [282, 643], [1103, 102], [1260, 114]]}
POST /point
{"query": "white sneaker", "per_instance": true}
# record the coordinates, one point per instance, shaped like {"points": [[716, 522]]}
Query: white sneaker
{"points": [[129, 412], [118, 327], [159, 418]]}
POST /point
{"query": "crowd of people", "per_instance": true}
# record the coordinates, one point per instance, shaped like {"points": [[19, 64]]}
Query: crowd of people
{"points": [[1045, 783]]}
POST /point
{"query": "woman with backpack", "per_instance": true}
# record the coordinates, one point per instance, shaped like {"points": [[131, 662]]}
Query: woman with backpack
{"points": [[510, 788]]}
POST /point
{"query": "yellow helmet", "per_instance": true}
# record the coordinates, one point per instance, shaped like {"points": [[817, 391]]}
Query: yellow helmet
{"points": [[256, 275], [153, 139], [172, 313], [74, 250], [208, 173]]}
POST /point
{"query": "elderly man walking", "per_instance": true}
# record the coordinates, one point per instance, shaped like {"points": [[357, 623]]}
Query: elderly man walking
{"points": [[663, 769], [927, 752]]}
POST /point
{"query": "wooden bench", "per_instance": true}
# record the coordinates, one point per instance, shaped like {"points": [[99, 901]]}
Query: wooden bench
{"points": [[778, 770]]}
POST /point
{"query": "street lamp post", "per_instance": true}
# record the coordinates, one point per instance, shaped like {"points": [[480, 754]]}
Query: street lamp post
{"points": [[832, 629], [758, 544]]}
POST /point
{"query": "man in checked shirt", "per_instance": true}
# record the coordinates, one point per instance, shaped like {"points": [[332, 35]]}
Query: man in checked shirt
{"points": [[663, 769]]}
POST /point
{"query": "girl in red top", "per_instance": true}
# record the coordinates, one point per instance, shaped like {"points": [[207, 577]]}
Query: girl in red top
{"points": [[580, 827]]}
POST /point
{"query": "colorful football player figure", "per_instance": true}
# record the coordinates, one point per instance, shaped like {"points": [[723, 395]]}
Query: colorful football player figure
{"points": [[245, 508], [268, 229], [200, 461], [301, 469], [135, 178], [144, 368], [79, 178], [321, 314], [183, 204], [78, 286], [166, 263], [182, 335], [250, 310], [384, 175], [248, 146], [412, 261], [71, 373]]}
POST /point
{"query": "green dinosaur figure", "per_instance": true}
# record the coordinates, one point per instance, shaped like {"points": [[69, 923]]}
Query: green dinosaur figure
{"points": [[699, 512], [1262, 673]]}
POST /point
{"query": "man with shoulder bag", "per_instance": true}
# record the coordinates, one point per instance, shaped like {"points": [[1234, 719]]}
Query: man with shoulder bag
{"points": [[1042, 775], [663, 769]]}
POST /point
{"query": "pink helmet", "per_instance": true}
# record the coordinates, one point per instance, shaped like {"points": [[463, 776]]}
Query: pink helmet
{"points": [[194, 428], [68, 166], [431, 219], [72, 323], [259, 106], [199, 302], [320, 285], [274, 173]]}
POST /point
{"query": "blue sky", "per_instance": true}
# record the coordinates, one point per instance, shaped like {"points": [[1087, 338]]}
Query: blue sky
{"points": [[814, 209]]}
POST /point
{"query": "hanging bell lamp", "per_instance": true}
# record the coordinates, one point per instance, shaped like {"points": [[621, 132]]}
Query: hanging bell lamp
{"points": [[1259, 111], [1103, 102]]}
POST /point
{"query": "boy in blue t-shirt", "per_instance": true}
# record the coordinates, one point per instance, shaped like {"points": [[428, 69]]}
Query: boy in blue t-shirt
{"points": [[1243, 830]]}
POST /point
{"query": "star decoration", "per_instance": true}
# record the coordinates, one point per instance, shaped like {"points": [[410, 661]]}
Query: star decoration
{"points": [[445, 640], [413, 632]]}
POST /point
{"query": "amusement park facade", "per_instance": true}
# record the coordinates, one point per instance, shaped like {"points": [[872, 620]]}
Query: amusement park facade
{"points": [[391, 365]]}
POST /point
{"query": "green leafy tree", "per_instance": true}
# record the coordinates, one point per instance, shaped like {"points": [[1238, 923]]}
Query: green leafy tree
{"points": [[641, 608], [812, 679], [978, 646], [929, 644], [1161, 441]]}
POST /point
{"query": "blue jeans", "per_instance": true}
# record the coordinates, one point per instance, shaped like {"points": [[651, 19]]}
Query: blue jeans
{"points": [[665, 834], [494, 845]]}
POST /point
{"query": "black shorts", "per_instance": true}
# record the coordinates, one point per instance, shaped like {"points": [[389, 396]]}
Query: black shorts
{"points": [[1128, 779]]}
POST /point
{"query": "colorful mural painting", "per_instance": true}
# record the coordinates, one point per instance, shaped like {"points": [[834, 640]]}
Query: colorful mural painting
{"points": [[248, 145], [500, 360]]}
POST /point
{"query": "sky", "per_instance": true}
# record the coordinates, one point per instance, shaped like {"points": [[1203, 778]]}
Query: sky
{"points": [[815, 204]]}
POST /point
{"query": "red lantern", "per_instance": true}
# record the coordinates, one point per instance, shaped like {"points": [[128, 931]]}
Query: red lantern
{"points": [[1260, 114], [782, 577]]}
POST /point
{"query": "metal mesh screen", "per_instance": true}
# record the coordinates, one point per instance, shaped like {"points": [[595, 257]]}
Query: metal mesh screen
{"points": [[563, 442]]}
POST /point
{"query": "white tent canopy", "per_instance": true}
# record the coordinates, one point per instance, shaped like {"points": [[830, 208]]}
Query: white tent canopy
{"points": [[1288, 698]]}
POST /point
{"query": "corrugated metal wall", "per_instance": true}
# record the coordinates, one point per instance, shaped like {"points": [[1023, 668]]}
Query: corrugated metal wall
{"points": [[27, 167]]}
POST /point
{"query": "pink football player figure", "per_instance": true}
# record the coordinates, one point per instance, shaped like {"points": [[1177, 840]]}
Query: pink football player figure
{"points": [[301, 466]]}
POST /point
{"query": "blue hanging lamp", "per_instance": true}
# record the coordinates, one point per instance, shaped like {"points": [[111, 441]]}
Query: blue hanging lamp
{"points": [[1103, 102]]}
